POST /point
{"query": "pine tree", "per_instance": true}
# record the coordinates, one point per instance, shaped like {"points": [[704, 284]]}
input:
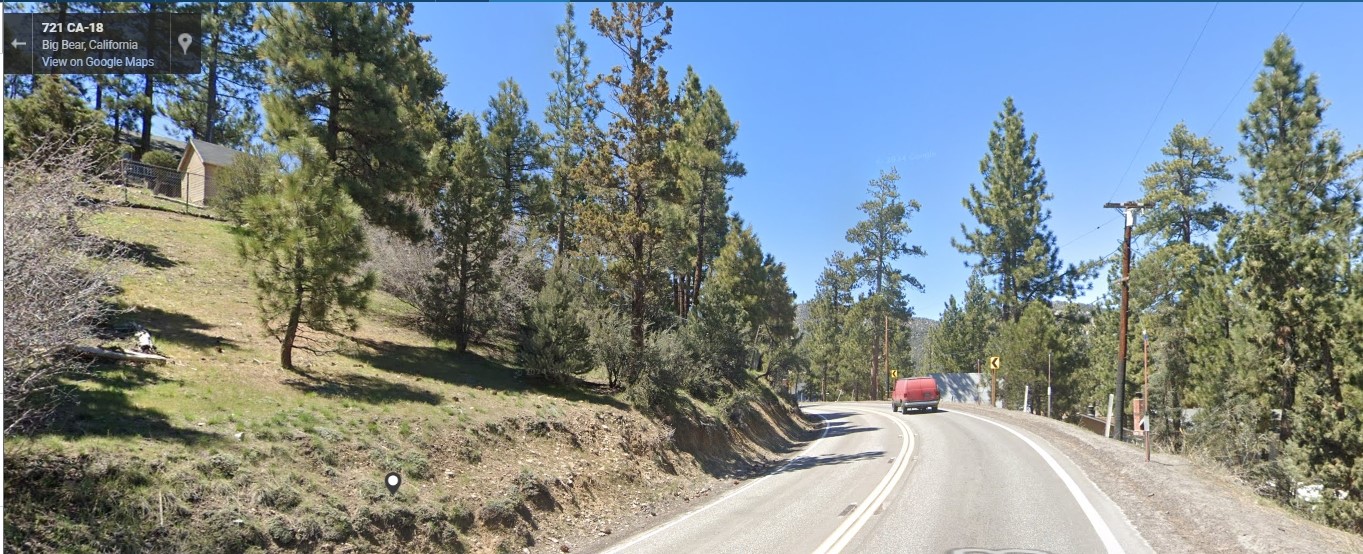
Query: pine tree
{"points": [[144, 105], [881, 240], [1013, 242], [1296, 247], [628, 164], [554, 335], [1179, 188], [356, 78], [756, 283], [302, 241], [515, 149], [958, 343], [218, 105], [53, 112], [828, 317], [571, 115], [1023, 346], [704, 165], [469, 218]]}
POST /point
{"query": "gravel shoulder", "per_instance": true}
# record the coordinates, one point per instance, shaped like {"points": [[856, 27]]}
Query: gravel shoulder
{"points": [[1179, 506]]}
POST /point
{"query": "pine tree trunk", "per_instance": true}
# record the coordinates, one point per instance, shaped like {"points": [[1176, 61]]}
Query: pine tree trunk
{"points": [[700, 244], [295, 315], [461, 326], [148, 90], [211, 110], [333, 107], [561, 217]]}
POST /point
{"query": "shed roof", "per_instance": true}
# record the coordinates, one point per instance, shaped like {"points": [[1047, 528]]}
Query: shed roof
{"points": [[214, 154]]}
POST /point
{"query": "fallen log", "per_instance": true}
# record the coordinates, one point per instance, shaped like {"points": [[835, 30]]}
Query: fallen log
{"points": [[123, 356]]}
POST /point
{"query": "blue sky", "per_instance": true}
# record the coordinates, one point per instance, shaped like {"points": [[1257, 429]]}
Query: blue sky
{"points": [[829, 95]]}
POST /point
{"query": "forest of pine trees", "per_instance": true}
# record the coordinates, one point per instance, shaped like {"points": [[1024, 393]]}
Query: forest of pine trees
{"points": [[599, 235]]}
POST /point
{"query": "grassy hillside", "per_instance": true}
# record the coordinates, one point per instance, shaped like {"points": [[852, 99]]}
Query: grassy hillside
{"points": [[221, 450]]}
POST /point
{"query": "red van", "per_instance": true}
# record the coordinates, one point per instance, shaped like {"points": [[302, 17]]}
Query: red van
{"points": [[915, 392]]}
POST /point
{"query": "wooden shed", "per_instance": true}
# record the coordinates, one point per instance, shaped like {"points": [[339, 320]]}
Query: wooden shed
{"points": [[199, 167]]}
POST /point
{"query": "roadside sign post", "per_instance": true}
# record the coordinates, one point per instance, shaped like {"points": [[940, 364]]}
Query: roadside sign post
{"points": [[1145, 394], [994, 381]]}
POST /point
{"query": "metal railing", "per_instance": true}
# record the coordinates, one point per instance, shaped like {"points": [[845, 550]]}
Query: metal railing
{"points": [[171, 184]]}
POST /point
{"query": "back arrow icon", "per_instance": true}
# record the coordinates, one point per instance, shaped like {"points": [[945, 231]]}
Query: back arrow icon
{"points": [[17, 44]]}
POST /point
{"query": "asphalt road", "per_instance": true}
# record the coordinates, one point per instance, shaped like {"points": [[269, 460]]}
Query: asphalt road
{"points": [[878, 481]]}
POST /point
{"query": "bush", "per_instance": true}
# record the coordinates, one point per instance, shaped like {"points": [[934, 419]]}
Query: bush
{"points": [[713, 338], [252, 173], [161, 158], [665, 358], [404, 267], [553, 333], [55, 113], [54, 296]]}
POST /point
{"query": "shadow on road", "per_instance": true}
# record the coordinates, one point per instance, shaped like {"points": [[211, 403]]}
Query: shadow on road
{"points": [[806, 462], [837, 425]]}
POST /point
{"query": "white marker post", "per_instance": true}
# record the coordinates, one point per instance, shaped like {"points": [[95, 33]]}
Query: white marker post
{"points": [[1107, 431]]}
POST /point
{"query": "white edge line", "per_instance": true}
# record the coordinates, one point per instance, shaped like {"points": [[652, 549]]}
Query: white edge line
{"points": [[853, 524], [1099, 526], [721, 499]]}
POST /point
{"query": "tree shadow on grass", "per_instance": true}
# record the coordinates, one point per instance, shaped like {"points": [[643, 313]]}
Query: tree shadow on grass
{"points": [[171, 327], [464, 369], [148, 255], [100, 407], [360, 387]]}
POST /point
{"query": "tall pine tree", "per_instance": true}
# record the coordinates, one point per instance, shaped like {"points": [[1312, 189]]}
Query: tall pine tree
{"points": [[470, 219], [1296, 250], [704, 165], [1012, 240], [1179, 188], [571, 116], [355, 77], [628, 164], [218, 105], [880, 239]]}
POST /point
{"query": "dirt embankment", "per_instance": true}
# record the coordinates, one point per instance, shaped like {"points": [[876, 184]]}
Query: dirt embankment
{"points": [[1176, 505], [542, 483]]}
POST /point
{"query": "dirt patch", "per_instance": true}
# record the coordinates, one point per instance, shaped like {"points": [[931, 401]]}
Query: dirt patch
{"points": [[1176, 505]]}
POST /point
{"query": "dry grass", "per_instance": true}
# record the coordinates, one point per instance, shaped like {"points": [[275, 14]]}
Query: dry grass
{"points": [[466, 431]]}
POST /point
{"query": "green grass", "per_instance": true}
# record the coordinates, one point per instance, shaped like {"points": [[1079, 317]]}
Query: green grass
{"points": [[148, 457]]}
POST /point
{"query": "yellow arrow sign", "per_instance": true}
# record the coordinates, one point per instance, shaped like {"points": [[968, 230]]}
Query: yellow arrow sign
{"points": [[894, 373], [993, 362]]}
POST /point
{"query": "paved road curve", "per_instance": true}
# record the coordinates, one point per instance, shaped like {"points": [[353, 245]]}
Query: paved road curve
{"points": [[878, 481]]}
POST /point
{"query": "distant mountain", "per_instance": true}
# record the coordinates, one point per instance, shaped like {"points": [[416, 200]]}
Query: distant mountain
{"points": [[922, 329]]}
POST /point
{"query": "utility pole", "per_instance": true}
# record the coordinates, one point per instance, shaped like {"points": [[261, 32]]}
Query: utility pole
{"points": [[1129, 208], [887, 352]]}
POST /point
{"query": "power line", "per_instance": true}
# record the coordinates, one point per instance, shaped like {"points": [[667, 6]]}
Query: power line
{"points": [[1155, 119], [1090, 232], [1252, 73]]}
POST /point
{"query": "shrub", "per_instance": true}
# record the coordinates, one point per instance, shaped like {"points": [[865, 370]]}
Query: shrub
{"points": [[250, 174], [553, 333], [160, 158], [54, 297]]}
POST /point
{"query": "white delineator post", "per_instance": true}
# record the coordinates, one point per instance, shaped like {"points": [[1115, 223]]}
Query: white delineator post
{"points": [[1107, 431]]}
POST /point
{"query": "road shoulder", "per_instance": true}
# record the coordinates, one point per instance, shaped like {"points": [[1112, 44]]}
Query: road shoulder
{"points": [[1176, 505]]}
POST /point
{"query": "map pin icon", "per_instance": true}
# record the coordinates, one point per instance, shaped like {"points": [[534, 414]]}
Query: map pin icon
{"points": [[185, 40], [393, 481]]}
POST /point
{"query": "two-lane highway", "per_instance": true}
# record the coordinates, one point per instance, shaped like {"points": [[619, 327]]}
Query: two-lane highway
{"points": [[878, 481]]}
